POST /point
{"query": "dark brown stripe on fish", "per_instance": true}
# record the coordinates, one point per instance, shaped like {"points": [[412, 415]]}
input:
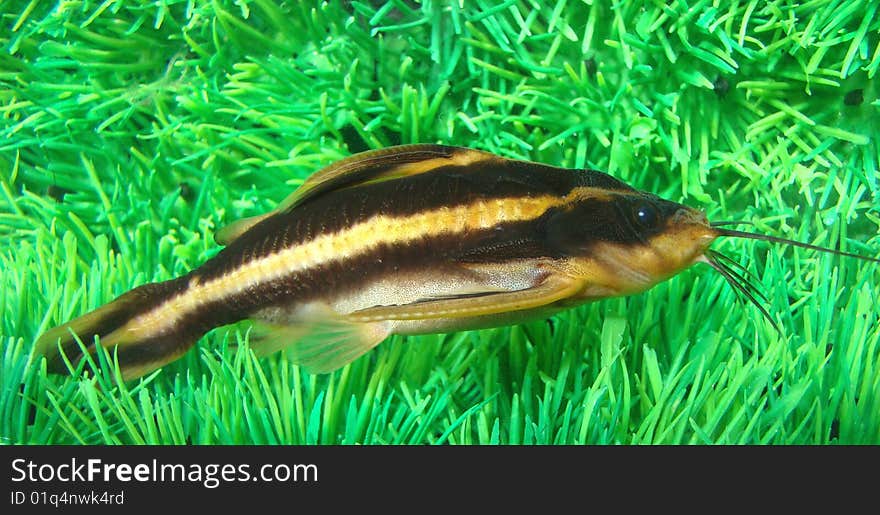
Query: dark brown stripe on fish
{"points": [[549, 236], [447, 186], [254, 275]]}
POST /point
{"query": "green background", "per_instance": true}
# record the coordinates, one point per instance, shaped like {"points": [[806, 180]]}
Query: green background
{"points": [[131, 130]]}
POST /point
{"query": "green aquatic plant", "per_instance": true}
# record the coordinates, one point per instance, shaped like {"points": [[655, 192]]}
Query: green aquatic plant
{"points": [[131, 131]]}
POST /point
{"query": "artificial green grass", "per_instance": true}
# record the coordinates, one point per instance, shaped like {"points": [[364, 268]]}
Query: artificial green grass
{"points": [[130, 131]]}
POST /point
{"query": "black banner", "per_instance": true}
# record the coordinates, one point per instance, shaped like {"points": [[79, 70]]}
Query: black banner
{"points": [[85, 479]]}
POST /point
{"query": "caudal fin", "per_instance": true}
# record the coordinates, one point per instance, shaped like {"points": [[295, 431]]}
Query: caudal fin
{"points": [[139, 351]]}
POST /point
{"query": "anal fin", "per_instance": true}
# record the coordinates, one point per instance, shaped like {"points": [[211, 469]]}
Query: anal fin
{"points": [[322, 346]]}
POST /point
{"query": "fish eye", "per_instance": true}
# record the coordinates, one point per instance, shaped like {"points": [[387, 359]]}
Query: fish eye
{"points": [[646, 215]]}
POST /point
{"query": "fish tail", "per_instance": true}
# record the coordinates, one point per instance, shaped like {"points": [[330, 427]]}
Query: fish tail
{"points": [[138, 348]]}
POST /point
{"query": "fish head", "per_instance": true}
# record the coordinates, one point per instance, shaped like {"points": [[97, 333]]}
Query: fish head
{"points": [[625, 242]]}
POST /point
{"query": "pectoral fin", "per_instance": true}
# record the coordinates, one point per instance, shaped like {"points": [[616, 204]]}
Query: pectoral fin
{"points": [[551, 289], [380, 165]]}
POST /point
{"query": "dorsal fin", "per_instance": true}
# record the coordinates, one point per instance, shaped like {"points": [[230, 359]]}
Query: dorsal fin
{"points": [[367, 167], [226, 234], [381, 165]]}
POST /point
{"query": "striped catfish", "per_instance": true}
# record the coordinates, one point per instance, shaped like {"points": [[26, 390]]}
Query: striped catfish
{"points": [[408, 240]]}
